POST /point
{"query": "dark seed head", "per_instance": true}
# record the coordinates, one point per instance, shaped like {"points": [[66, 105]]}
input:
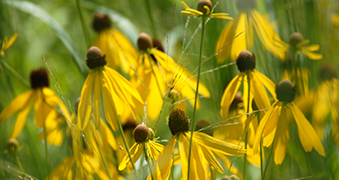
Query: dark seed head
{"points": [[157, 44], [246, 61], [130, 124], [39, 78], [140, 133], [12, 145], [202, 124], [295, 39], [178, 122], [285, 91], [101, 22], [144, 42], [203, 3], [95, 58], [236, 101], [328, 72]]}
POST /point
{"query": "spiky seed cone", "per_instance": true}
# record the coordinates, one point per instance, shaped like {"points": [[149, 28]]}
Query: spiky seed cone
{"points": [[295, 39], [246, 61], [144, 42], [203, 3], [95, 58], [328, 72], [178, 122], [150, 134], [157, 44], [285, 91], [12, 145], [39, 78], [101, 22], [140, 133], [202, 124], [236, 101]]}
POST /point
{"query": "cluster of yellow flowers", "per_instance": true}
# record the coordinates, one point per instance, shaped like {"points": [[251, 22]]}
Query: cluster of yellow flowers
{"points": [[108, 116]]}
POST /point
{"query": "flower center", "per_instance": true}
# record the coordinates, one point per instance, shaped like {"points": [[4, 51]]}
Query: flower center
{"points": [[178, 122], [12, 145], [144, 42], [101, 22], [236, 101], [95, 58], [39, 78], [328, 72], [246, 61], [157, 44], [130, 124], [140, 133], [203, 3], [295, 39], [202, 124], [285, 91]]}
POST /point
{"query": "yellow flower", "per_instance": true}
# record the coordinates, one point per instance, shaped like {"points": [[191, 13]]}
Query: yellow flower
{"points": [[204, 150], [6, 44], [240, 33], [335, 19], [326, 102], [43, 98], [204, 8], [105, 89], [159, 74], [144, 140], [273, 127], [301, 77], [246, 63], [297, 43], [118, 49]]}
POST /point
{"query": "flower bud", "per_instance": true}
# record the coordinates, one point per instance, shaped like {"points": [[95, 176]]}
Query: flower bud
{"points": [[295, 39], [140, 133], [12, 145], [95, 58], [101, 22], [144, 42]]}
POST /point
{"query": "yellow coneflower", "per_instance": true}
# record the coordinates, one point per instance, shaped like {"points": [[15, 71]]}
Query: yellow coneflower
{"points": [[246, 63], [240, 34], [297, 44], [41, 96], [204, 8], [119, 51], [273, 127], [159, 74], [144, 142], [105, 89], [6, 44], [204, 150]]}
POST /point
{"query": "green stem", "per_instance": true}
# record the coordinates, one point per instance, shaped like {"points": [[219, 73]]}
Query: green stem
{"points": [[83, 24], [268, 162], [17, 75], [148, 162], [18, 161], [105, 164], [248, 110], [261, 154], [46, 152], [126, 146], [154, 32], [196, 95]]}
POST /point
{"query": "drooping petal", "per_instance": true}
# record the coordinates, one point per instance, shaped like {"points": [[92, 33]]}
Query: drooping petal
{"points": [[97, 97], [312, 55], [85, 104], [240, 43], [63, 171], [308, 137], [229, 95], [16, 105], [281, 138], [223, 48], [135, 151], [260, 94], [21, 120], [269, 85]]}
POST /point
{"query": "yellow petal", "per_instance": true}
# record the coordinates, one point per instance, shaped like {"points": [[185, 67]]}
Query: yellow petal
{"points": [[307, 135], [135, 151], [260, 94], [21, 120], [229, 94], [63, 171], [223, 48], [211, 159], [228, 165], [281, 138], [85, 104], [313, 56], [240, 43], [302, 43], [10, 41], [185, 5], [183, 151], [109, 107], [96, 97], [270, 86], [16, 105]]}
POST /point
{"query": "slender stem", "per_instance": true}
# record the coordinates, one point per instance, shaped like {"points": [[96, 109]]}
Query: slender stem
{"points": [[261, 154], [18, 161], [248, 110], [148, 161], [268, 161], [17, 75], [196, 95], [126, 146], [83, 24], [46, 152], [105, 164], [154, 32]]}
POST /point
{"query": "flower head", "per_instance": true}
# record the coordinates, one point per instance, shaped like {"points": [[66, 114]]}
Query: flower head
{"points": [[274, 126], [204, 7], [297, 43]]}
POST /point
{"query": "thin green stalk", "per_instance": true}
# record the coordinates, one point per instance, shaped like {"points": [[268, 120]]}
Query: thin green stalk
{"points": [[248, 110], [268, 161], [261, 153], [105, 164], [126, 146], [148, 162], [17, 75], [18, 161], [83, 24], [46, 152], [154, 32], [196, 96]]}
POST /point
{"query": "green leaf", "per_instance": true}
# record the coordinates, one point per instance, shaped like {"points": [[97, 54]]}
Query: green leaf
{"points": [[36, 11]]}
